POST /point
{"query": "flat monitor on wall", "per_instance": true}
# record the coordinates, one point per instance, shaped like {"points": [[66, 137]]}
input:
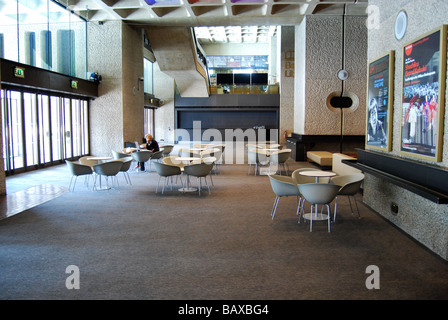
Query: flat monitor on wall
{"points": [[224, 78], [241, 78], [260, 79]]}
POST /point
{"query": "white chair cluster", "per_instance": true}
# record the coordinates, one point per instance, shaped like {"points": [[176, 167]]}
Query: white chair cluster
{"points": [[169, 168], [109, 170], [266, 154], [322, 193]]}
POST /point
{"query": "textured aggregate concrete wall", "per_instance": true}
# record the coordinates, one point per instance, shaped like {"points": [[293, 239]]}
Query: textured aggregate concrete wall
{"points": [[330, 45], [2, 165], [424, 220], [286, 83], [115, 52]]}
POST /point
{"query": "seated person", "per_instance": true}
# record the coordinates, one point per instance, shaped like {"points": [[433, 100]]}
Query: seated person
{"points": [[151, 145]]}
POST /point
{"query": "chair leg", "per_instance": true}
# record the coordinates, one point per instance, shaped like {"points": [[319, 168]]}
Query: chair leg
{"points": [[335, 208], [302, 205], [181, 183], [205, 178], [71, 179], [329, 215], [211, 179], [165, 182], [157, 188], [299, 200], [311, 218], [274, 208], [357, 209], [285, 165]]}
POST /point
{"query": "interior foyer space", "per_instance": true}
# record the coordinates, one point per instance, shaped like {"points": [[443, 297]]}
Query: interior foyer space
{"points": [[134, 243]]}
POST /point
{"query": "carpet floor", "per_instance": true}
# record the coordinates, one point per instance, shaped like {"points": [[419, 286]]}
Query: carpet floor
{"points": [[134, 243]]}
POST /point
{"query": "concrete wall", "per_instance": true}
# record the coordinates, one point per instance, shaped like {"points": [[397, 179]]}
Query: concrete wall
{"points": [[2, 165], [325, 45], [287, 53], [233, 49], [427, 222], [164, 87], [116, 116]]}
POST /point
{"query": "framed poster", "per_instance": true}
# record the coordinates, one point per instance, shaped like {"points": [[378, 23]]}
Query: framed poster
{"points": [[379, 102], [423, 103]]}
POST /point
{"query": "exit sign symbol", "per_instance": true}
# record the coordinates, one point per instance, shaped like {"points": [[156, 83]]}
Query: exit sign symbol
{"points": [[19, 72]]}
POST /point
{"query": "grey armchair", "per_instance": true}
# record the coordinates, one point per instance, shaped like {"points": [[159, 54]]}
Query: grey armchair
{"points": [[167, 148], [279, 158], [141, 156], [283, 186], [318, 194], [199, 170], [78, 169], [108, 170], [349, 186], [167, 172]]}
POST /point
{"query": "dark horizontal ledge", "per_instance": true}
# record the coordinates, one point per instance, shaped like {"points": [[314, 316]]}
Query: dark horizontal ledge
{"points": [[425, 192]]}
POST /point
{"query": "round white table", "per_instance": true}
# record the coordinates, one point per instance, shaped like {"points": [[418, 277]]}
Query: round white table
{"points": [[318, 174], [99, 158], [189, 160]]}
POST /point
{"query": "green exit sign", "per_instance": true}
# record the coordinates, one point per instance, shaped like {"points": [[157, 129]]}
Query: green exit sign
{"points": [[19, 72], [74, 84]]}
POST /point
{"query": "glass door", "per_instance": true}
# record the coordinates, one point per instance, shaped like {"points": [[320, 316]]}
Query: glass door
{"points": [[40, 129], [13, 150]]}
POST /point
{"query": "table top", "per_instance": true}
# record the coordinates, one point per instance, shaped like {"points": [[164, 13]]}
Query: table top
{"points": [[268, 149], [99, 158], [196, 149], [317, 173], [186, 158]]}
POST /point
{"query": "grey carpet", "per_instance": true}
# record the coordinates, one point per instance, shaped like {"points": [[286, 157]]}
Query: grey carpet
{"points": [[132, 243]]}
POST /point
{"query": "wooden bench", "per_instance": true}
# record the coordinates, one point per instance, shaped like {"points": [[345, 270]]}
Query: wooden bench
{"points": [[322, 158]]}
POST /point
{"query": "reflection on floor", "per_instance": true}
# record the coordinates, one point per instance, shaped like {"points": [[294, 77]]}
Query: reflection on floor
{"points": [[22, 200]]}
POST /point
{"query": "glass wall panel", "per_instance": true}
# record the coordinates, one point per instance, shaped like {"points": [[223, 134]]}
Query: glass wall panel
{"points": [[12, 127], [56, 123], [46, 55], [9, 30], [42, 33], [67, 130], [40, 129], [148, 72], [44, 128], [148, 115], [76, 129], [31, 133], [85, 127]]}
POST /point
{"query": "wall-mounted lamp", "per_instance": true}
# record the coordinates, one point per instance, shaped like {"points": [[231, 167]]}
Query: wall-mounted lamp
{"points": [[138, 84], [343, 74]]}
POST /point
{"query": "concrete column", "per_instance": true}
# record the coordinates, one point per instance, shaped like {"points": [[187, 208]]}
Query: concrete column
{"points": [[2, 165], [324, 45], [116, 116]]}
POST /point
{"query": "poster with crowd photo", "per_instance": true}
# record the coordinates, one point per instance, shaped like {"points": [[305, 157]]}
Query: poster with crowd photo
{"points": [[379, 105], [424, 74]]}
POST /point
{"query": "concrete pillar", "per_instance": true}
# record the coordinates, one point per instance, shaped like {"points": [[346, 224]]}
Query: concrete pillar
{"points": [[116, 116], [325, 45]]}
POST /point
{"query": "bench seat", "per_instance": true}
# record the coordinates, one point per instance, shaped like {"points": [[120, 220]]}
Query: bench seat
{"points": [[322, 158]]}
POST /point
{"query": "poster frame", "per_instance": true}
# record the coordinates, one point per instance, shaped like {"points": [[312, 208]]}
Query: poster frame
{"points": [[390, 73], [436, 156]]}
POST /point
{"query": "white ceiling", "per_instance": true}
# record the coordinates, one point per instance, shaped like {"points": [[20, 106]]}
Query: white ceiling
{"points": [[249, 17]]}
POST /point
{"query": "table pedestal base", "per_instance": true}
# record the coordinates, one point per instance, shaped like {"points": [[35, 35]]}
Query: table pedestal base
{"points": [[315, 217], [188, 189]]}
